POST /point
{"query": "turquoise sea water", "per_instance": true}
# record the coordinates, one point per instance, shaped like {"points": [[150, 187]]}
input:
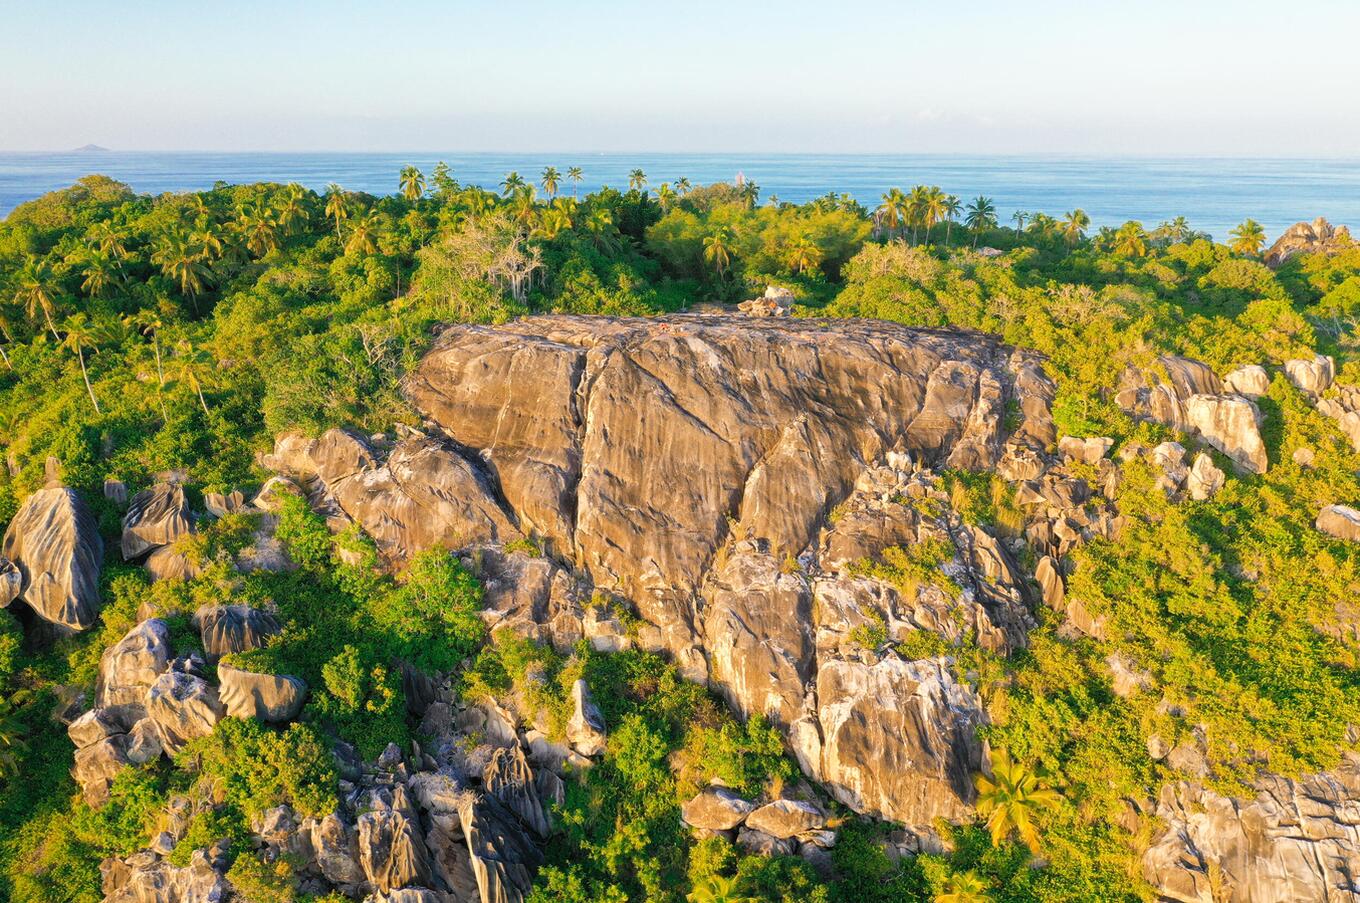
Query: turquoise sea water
{"points": [[1213, 193]]}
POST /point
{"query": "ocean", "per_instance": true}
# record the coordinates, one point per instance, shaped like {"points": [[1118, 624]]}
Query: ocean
{"points": [[1214, 194]]}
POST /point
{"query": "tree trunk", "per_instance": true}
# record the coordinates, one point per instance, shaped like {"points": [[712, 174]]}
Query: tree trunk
{"points": [[86, 374]]}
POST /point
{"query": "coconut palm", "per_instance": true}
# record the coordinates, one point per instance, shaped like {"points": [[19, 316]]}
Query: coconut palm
{"points": [[551, 179], [718, 889], [363, 235], [337, 207], [1019, 217], [555, 220], [892, 213], [207, 238], [934, 207], [37, 293], [718, 250], [512, 183], [1074, 226], [952, 209], [980, 214], [600, 225], [804, 254], [637, 180], [260, 230], [682, 186], [1130, 240], [964, 887], [292, 213], [916, 208], [412, 183], [1248, 238], [665, 196], [100, 272], [575, 175], [750, 192], [194, 366], [181, 263], [148, 323], [109, 240], [80, 334], [1010, 798]]}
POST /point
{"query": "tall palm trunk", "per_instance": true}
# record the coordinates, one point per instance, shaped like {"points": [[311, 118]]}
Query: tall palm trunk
{"points": [[201, 401], [51, 328], [160, 375], [86, 374]]}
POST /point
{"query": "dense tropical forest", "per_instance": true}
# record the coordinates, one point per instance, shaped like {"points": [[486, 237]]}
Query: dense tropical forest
{"points": [[184, 332]]}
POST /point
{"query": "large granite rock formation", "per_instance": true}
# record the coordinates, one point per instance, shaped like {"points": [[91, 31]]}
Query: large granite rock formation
{"points": [[55, 543], [1319, 236]]}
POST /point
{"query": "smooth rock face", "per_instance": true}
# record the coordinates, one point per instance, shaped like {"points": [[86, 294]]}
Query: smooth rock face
{"points": [[425, 495], [1319, 236], [225, 629], [1340, 521], [391, 843], [1295, 841], [54, 541], [1251, 381], [1204, 478], [502, 858], [11, 582], [155, 517], [183, 707], [585, 728], [1312, 376], [627, 444], [266, 697], [716, 809], [129, 668], [1231, 424], [899, 738], [786, 818]]}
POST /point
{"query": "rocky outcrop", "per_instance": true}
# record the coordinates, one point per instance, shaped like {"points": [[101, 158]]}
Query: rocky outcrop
{"points": [[716, 809], [1312, 376], [129, 668], [1317, 237], [1250, 380], [585, 727], [11, 582], [1204, 478], [1296, 840], [1341, 521], [225, 629], [785, 818], [266, 697], [776, 302], [54, 542], [183, 707], [155, 517], [1188, 396], [426, 493]]}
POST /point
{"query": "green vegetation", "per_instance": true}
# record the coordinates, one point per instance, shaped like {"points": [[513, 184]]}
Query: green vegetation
{"points": [[143, 334]]}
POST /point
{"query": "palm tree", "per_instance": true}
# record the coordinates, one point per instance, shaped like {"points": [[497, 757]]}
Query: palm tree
{"points": [[555, 221], [551, 179], [13, 730], [362, 237], [1019, 217], [665, 196], [1248, 238], [718, 889], [893, 210], [750, 192], [682, 185], [637, 179], [109, 240], [412, 183], [916, 208], [805, 254], [292, 211], [602, 230], [718, 250], [100, 272], [980, 214], [1074, 226], [337, 207], [964, 887], [934, 207], [37, 294], [148, 323], [1010, 798], [443, 180], [512, 183], [181, 264], [1130, 240], [79, 336], [193, 365], [208, 239], [952, 209], [259, 228], [575, 175]]}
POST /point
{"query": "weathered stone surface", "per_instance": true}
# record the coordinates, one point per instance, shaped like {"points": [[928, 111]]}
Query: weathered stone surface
{"points": [[93, 726], [54, 541], [785, 818], [266, 697], [585, 727], [225, 629], [758, 843], [1341, 521], [156, 517], [510, 779], [97, 764], [155, 880], [391, 843], [184, 707], [1295, 841], [1050, 581], [1086, 451], [1319, 236], [716, 809], [425, 495], [128, 668], [627, 444], [758, 634], [898, 738], [1204, 478], [503, 858], [1251, 381], [169, 563], [1231, 424], [1312, 376], [11, 582], [333, 845], [776, 302]]}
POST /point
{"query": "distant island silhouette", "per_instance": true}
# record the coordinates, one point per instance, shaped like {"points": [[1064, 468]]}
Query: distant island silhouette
{"points": [[90, 149]]}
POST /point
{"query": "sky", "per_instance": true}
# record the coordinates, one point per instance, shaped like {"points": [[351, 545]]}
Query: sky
{"points": [[1215, 77]]}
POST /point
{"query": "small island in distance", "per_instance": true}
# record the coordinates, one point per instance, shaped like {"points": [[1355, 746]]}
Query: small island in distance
{"points": [[91, 149]]}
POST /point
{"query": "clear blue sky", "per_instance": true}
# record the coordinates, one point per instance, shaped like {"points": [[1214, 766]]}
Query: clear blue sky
{"points": [[1195, 76]]}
